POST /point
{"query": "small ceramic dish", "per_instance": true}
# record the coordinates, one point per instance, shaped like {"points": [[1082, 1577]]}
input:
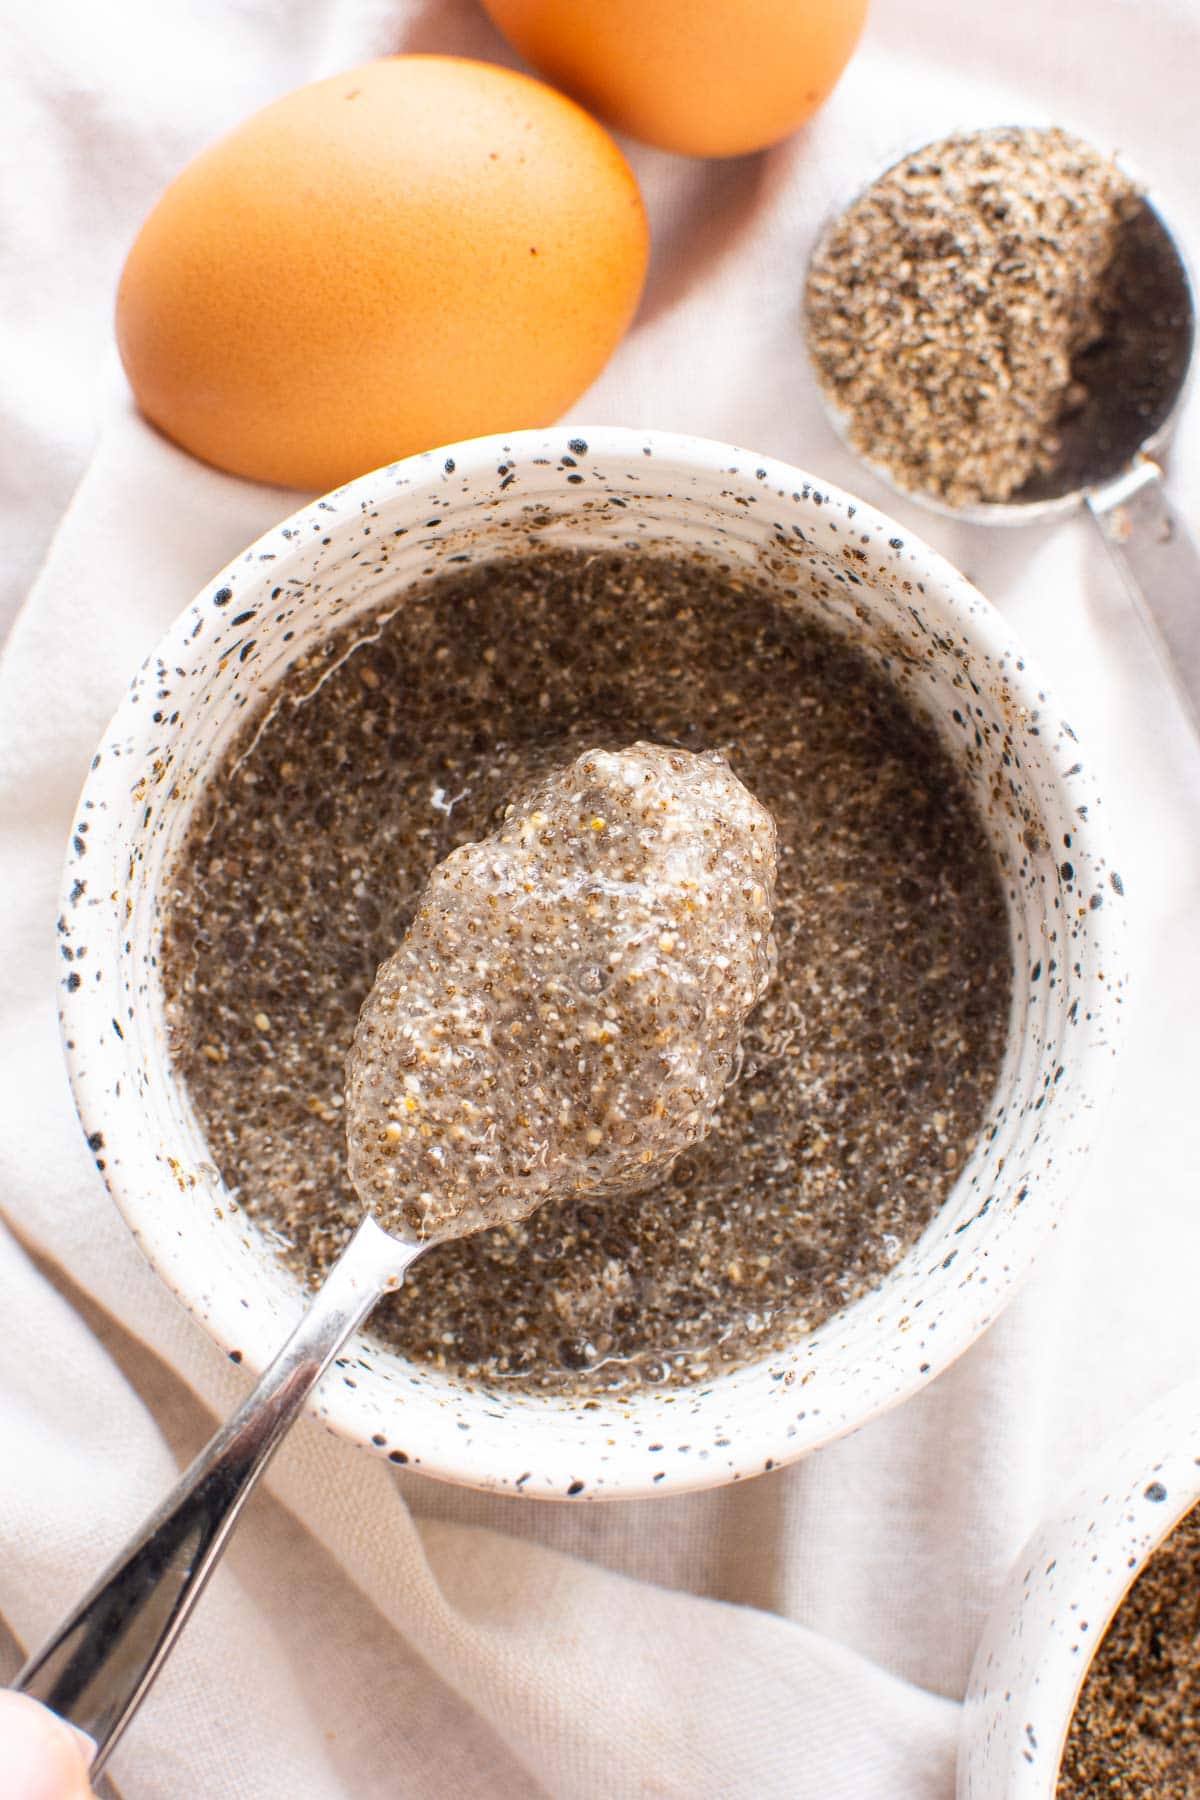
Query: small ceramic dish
{"points": [[1064, 1590], [943, 647]]}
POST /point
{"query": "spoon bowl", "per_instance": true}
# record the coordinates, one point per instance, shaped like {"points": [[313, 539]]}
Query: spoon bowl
{"points": [[1133, 379]]}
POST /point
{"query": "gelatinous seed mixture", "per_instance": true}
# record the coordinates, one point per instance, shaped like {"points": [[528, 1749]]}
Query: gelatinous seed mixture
{"points": [[866, 1068], [562, 1018], [1136, 1729]]}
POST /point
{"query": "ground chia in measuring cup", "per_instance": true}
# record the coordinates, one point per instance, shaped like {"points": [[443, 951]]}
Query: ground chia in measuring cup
{"points": [[866, 1069], [960, 309], [1136, 1727]]}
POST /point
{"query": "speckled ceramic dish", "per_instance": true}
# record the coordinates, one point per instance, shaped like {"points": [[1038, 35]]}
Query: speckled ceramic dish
{"points": [[1064, 1589], [943, 646]]}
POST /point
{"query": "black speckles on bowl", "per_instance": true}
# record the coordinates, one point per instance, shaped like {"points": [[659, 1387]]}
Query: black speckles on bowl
{"points": [[939, 642]]}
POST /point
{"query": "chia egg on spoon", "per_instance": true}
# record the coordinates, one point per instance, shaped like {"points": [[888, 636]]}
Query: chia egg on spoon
{"points": [[563, 1015]]}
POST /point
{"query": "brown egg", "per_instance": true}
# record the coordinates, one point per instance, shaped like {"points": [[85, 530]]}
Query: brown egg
{"points": [[420, 250], [707, 77]]}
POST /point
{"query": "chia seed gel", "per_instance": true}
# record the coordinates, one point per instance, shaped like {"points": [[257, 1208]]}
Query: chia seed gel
{"points": [[562, 1018], [865, 1071]]}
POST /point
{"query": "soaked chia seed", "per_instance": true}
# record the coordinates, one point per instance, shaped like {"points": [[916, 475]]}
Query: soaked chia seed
{"points": [[866, 1070]]}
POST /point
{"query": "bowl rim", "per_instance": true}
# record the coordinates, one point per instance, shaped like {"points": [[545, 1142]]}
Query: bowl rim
{"points": [[1148, 1473], [84, 1013]]}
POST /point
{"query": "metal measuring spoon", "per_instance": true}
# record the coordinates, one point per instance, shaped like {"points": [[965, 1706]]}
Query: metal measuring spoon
{"points": [[653, 868], [1108, 460]]}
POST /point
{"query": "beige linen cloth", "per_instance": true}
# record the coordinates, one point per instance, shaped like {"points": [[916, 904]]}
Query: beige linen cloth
{"points": [[373, 1632]]}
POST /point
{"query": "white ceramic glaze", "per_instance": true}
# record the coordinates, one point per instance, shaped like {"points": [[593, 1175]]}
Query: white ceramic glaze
{"points": [[1065, 1587], [939, 641]]}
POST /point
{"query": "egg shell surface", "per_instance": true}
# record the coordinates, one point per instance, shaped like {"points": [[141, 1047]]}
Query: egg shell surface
{"points": [[420, 250], [705, 77]]}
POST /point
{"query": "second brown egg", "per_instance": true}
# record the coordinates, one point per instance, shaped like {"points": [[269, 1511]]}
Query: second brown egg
{"points": [[706, 77]]}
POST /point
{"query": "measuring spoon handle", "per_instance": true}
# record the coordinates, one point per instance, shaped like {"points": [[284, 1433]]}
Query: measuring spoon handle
{"points": [[97, 1667], [1160, 563]]}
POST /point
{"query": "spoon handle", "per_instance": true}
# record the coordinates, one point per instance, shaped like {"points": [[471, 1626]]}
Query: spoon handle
{"points": [[1160, 562], [96, 1669]]}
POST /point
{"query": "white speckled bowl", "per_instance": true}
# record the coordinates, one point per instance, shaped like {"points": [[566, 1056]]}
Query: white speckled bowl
{"points": [[1065, 1586], [940, 642]]}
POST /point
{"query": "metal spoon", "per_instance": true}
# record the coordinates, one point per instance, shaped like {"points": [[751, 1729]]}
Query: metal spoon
{"points": [[99, 1664], [1110, 448], [677, 823]]}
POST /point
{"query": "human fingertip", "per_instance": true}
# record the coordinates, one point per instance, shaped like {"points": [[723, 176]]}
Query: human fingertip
{"points": [[42, 1757]]}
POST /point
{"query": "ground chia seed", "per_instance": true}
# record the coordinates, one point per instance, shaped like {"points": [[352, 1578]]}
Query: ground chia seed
{"points": [[1136, 1728], [952, 306], [866, 1069]]}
